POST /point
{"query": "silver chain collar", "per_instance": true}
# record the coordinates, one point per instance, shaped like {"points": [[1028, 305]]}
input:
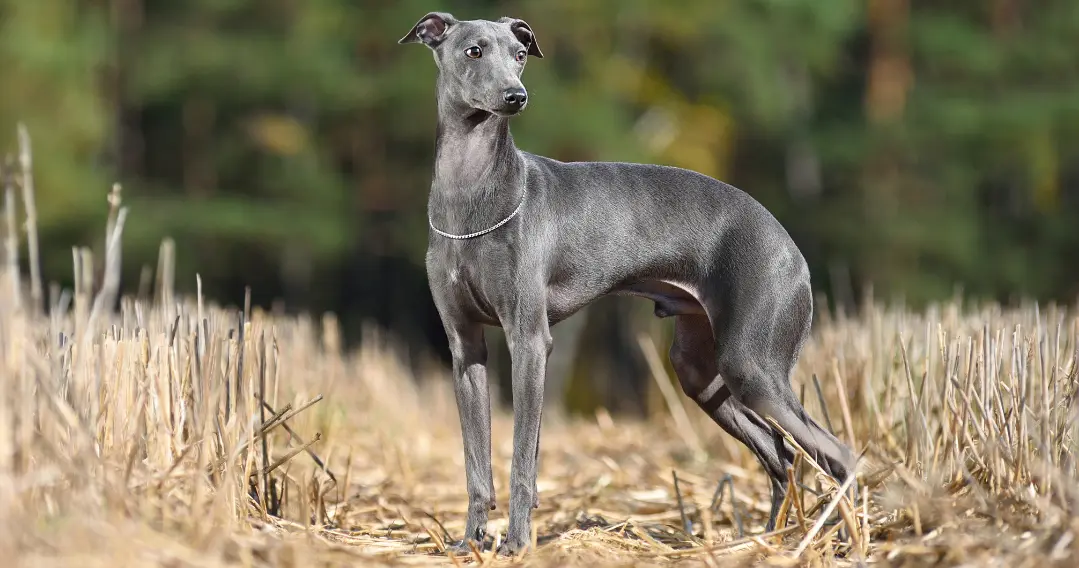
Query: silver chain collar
{"points": [[477, 233]]}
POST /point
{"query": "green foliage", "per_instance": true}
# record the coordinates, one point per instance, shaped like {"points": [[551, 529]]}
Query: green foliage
{"points": [[49, 57], [254, 131]]}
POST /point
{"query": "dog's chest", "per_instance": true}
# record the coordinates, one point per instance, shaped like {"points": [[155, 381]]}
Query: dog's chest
{"points": [[468, 284]]}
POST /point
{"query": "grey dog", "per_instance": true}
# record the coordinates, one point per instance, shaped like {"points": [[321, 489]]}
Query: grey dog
{"points": [[522, 241]]}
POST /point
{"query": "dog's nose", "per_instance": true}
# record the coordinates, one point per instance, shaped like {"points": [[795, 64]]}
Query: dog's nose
{"points": [[515, 97]]}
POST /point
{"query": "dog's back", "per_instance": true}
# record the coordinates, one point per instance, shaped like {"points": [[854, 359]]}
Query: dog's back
{"points": [[640, 221]]}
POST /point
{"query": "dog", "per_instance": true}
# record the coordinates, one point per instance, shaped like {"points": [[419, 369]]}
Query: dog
{"points": [[522, 241]]}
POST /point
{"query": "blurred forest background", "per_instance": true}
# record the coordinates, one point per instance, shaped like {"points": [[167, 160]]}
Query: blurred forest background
{"points": [[914, 146]]}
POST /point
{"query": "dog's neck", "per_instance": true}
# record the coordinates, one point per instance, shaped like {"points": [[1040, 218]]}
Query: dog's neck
{"points": [[477, 177]]}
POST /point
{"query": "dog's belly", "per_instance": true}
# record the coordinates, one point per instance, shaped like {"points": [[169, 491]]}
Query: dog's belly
{"points": [[672, 299]]}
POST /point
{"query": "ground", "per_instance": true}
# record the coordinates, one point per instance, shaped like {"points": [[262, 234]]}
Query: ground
{"points": [[140, 446]]}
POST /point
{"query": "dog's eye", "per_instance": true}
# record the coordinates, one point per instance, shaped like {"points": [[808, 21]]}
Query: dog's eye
{"points": [[473, 52], [521, 56]]}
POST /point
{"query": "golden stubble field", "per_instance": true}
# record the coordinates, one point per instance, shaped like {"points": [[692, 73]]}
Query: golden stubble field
{"points": [[174, 432]]}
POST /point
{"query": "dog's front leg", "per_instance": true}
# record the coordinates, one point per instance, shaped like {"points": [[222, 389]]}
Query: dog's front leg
{"points": [[469, 353], [530, 347]]}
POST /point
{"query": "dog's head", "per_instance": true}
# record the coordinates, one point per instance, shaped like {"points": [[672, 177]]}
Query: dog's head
{"points": [[480, 62]]}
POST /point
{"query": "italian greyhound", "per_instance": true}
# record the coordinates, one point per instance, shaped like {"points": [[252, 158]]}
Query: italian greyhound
{"points": [[522, 241]]}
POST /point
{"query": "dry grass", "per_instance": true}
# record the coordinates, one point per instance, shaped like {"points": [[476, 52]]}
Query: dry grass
{"points": [[135, 439]]}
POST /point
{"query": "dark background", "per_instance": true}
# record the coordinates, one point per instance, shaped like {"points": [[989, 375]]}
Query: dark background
{"points": [[917, 147]]}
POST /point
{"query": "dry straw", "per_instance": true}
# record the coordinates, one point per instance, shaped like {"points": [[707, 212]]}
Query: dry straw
{"points": [[163, 430]]}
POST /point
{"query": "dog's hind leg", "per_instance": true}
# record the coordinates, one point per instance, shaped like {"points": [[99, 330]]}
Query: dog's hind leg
{"points": [[693, 356], [759, 342]]}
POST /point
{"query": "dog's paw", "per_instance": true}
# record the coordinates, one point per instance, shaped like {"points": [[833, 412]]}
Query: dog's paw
{"points": [[511, 547], [459, 549], [464, 547]]}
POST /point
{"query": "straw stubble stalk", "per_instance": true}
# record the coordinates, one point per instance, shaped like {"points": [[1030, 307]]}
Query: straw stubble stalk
{"points": [[678, 411], [30, 207], [11, 239]]}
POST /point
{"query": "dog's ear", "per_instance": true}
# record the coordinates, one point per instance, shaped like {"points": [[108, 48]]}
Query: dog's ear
{"points": [[524, 35], [430, 30]]}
